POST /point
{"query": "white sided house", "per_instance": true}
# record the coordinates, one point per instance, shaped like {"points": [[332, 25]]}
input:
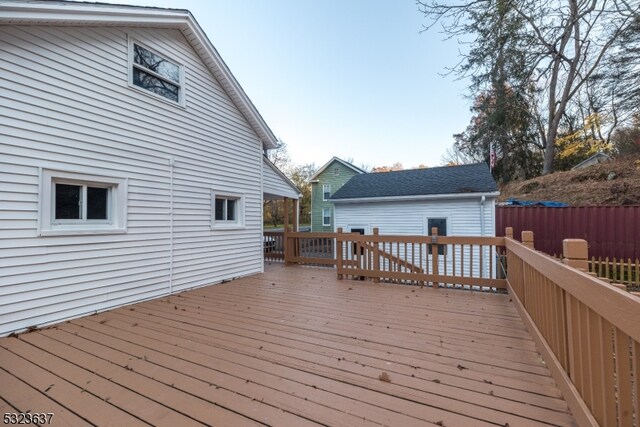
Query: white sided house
{"points": [[457, 200], [131, 161]]}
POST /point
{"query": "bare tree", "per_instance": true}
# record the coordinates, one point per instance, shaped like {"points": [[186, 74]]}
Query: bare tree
{"points": [[566, 43]]}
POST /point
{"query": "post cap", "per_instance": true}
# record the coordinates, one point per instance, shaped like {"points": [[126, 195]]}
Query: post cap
{"points": [[575, 249]]}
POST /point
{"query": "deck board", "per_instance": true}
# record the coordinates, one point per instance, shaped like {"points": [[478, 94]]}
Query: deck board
{"points": [[291, 346]]}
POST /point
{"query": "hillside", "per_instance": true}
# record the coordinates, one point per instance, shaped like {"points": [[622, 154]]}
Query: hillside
{"points": [[616, 182]]}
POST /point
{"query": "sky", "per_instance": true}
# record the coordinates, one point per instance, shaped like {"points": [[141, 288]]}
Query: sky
{"points": [[348, 78]]}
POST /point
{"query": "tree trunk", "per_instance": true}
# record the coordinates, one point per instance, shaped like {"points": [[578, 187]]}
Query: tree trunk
{"points": [[549, 154]]}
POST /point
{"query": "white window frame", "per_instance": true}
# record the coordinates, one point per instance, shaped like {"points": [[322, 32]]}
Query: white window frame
{"points": [[324, 224], [237, 223], [326, 188], [132, 64], [116, 222]]}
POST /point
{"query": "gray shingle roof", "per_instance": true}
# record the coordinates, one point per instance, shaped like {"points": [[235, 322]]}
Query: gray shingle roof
{"points": [[475, 178]]}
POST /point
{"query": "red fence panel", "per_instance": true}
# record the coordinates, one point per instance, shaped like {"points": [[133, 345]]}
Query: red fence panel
{"points": [[612, 231]]}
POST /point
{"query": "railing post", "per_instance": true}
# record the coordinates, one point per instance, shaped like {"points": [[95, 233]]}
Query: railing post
{"points": [[339, 252], [285, 207], [296, 217], [287, 247], [527, 239], [508, 232], [575, 253], [376, 256], [434, 255]]}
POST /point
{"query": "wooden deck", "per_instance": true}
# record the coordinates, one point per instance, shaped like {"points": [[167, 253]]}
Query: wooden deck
{"points": [[291, 347]]}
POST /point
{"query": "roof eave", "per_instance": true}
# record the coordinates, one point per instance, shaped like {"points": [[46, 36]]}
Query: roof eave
{"points": [[84, 14], [417, 197]]}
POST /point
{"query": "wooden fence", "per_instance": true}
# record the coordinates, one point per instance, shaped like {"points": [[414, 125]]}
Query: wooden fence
{"points": [[587, 330], [619, 271]]}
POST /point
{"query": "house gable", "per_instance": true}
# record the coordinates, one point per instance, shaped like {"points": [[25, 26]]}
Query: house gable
{"points": [[333, 174], [102, 15]]}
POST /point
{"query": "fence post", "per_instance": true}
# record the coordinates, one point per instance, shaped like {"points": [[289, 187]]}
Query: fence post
{"points": [[339, 252], [434, 255], [376, 256], [287, 247], [527, 239], [575, 253], [508, 232]]}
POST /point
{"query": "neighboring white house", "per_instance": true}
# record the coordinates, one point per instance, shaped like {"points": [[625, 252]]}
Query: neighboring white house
{"points": [[458, 200], [131, 161]]}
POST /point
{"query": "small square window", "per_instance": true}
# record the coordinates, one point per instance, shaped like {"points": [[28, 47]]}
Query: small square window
{"points": [[336, 171], [226, 211], [80, 203], [155, 73]]}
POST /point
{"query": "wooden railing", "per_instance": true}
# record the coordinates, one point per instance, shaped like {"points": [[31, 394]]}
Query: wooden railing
{"points": [[316, 249], [458, 261], [273, 245], [434, 260], [587, 330]]}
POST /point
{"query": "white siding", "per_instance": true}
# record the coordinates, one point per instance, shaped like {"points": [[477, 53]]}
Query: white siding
{"points": [[274, 184], [409, 218], [65, 104]]}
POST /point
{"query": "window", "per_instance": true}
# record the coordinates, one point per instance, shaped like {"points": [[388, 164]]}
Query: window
{"points": [[326, 191], [336, 171], [441, 225], [79, 203], [326, 217], [155, 73], [227, 211]]}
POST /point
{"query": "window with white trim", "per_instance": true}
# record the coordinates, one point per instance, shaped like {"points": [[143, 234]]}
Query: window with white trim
{"points": [[227, 210], [326, 192], [326, 217], [155, 73], [75, 203]]}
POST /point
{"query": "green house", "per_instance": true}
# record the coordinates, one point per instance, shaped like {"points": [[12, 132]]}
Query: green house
{"points": [[326, 181]]}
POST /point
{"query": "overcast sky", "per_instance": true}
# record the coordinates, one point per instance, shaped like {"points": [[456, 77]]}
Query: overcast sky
{"points": [[346, 78]]}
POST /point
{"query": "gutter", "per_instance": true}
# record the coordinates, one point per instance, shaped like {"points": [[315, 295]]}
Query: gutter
{"points": [[416, 197]]}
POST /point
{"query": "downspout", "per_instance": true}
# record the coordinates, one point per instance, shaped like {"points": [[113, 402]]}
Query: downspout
{"points": [[262, 205], [482, 200], [171, 166]]}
